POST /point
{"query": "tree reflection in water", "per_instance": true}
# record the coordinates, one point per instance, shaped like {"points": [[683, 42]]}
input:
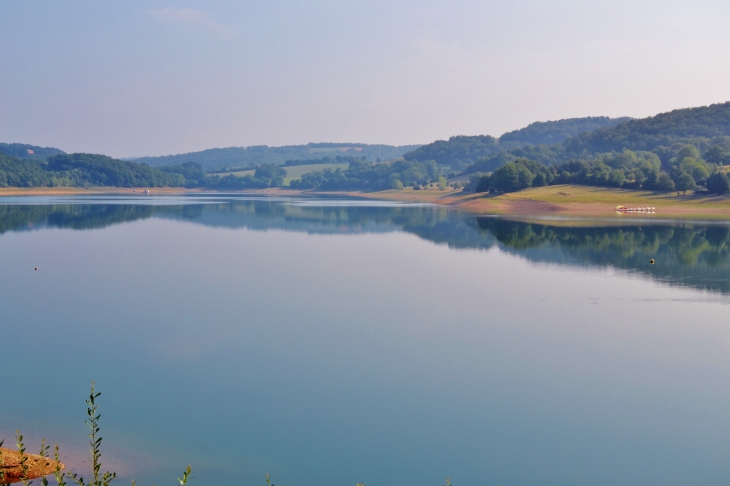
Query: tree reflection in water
{"points": [[694, 254]]}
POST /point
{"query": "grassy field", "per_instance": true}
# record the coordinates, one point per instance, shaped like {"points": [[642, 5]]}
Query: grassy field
{"points": [[570, 194], [293, 172], [297, 171], [239, 173]]}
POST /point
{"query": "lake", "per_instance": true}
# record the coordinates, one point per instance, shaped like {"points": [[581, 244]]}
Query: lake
{"points": [[332, 342]]}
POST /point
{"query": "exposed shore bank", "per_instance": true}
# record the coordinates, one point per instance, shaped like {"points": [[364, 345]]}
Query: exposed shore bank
{"points": [[568, 200], [551, 200]]}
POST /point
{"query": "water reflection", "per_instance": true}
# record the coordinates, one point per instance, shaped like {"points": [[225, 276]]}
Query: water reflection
{"points": [[373, 357], [696, 255]]}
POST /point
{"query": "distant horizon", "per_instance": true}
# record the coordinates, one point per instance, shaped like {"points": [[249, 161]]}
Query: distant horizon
{"points": [[343, 144], [133, 157]]}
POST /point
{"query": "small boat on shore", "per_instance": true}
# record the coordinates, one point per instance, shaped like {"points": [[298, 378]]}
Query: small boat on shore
{"points": [[625, 209]]}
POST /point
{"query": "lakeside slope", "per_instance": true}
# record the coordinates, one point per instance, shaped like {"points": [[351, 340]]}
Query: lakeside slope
{"points": [[567, 200]]}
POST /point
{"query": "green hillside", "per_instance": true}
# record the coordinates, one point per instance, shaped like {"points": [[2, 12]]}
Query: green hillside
{"points": [[683, 150], [552, 132], [17, 172], [240, 157], [702, 127], [706, 128], [81, 170], [292, 171], [25, 151], [459, 151]]}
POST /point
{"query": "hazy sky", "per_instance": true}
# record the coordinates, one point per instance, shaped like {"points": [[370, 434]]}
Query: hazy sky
{"points": [[131, 78]]}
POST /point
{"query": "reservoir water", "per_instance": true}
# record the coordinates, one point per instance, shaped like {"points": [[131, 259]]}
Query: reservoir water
{"points": [[333, 342]]}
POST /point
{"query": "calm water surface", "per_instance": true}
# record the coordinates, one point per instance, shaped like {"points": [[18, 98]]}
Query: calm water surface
{"points": [[329, 342]]}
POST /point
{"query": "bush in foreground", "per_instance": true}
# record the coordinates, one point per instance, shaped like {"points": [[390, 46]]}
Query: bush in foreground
{"points": [[21, 467]]}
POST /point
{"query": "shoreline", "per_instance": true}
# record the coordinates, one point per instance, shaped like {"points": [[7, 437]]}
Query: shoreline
{"points": [[569, 200], [559, 200]]}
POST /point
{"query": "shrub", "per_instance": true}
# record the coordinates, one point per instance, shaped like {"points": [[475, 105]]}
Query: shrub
{"points": [[27, 468]]}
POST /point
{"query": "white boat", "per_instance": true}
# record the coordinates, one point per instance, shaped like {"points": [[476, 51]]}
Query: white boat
{"points": [[625, 209]]}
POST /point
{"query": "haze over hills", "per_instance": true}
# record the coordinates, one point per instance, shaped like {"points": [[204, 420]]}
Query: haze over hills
{"points": [[219, 158]]}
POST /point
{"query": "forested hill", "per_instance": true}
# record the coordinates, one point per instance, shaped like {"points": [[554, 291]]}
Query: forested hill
{"points": [[552, 132], [25, 151], [701, 127], [252, 156], [707, 128], [460, 151], [82, 170]]}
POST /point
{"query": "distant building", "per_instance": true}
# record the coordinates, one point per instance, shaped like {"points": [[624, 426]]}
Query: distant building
{"points": [[30, 152]]}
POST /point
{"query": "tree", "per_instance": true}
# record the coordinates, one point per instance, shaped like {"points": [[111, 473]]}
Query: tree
{"points": [[663, 182], [718, 155], [718, 183], [684, 182], [271, 174], [539, 180], [525, 177], [697, 168], [484, 183], [512, 177], [688, 151], [617, 178], [442, 183], [473, 183], [506, 178], [651, 179], [599, 176], [638, 177], [191, 171]]}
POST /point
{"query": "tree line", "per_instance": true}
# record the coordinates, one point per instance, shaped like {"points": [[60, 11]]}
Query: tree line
{"points": [[362, 174], [87, 170], [636, 170], [337, 159], [225, 159], [81, 170]]}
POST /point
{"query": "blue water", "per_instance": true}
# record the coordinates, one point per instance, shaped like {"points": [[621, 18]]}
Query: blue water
{"points": [[341, 341]]}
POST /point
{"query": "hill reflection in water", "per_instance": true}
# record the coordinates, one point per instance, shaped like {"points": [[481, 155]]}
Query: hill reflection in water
{"points": [[690, 254]]}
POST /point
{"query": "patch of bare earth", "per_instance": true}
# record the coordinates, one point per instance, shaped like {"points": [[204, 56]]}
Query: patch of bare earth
{"points": [[530, 206]]}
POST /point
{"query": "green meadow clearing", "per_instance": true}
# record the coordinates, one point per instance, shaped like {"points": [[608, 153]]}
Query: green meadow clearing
{"points": [[292, 172], [574, 194]]}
